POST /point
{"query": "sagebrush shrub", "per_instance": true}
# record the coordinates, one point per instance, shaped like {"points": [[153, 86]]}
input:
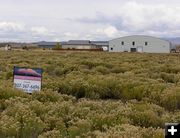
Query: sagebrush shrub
{"points": [[170, 99], [90, 94], [51, 134], [102, 69]]}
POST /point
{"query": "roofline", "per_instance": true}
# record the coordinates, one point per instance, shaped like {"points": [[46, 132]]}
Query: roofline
{"points": [[142, 36], [100, 41], [90, 44], [78, 40]]}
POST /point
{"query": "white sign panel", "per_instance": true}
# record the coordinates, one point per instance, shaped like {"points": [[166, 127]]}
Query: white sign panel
{"points": [[28, 80]]}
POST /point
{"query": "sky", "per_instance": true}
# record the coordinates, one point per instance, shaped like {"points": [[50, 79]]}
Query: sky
{"points": [[62, 20]]}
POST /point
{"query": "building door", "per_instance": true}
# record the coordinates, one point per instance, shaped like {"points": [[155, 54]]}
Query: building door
{"points": [[140, 49], [125, 49], [133, 49]]}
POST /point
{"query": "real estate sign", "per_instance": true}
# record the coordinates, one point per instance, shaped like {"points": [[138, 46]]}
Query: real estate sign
{"points": [[28, 79]]}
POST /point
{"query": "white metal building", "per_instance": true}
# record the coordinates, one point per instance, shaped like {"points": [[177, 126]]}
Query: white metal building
{"points": [[78, 44], [85, 44], [138, 43]]}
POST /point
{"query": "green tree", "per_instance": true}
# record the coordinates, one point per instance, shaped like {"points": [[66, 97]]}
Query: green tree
{"points": [[58, 45]]}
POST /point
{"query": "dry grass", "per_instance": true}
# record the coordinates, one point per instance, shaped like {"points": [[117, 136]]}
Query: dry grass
{"points": [[91, 94]]}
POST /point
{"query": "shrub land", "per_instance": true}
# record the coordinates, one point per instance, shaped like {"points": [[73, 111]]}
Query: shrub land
{"points": [[91, 94]]}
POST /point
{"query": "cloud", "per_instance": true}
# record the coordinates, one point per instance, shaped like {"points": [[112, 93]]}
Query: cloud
{"points": [[11, 26], [42, 32], [135, 18], [96, 20], [39, 30], [109, 31], [71, 35], [13, 31]]}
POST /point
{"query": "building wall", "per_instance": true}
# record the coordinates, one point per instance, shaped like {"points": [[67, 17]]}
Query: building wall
{"points": [[154, 45], [79, 46], [47, 46]]}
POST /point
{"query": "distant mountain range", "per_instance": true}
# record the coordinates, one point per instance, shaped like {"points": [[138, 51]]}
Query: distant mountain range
{"points": [[174, 41]]}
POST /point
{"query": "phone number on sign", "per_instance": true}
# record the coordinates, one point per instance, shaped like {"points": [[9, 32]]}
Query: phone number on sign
{"points": [[26, 86]]}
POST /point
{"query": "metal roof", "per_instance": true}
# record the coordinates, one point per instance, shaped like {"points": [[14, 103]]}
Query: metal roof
{"points": [[79, 42], [44, 43], [140, 36], [100, 43]]}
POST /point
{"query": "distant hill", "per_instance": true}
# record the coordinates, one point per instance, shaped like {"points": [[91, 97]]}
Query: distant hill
{"points": [[174, 41]]}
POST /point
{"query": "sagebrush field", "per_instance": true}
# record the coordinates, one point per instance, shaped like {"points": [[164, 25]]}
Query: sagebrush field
{"points": [[91, 94]]}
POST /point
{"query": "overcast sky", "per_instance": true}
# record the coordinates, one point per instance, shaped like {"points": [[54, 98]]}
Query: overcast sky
{"points": [[55, 20]]}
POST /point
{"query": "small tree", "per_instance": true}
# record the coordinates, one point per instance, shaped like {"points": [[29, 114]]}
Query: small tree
{"points": [[58, 46], [25, 47]]}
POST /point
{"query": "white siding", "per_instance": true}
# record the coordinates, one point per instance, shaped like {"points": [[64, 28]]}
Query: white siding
{"points": [[154, 45], [79, 46]]}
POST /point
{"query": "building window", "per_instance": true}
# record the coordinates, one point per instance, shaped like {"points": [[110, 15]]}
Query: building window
{"points": [[146, 43], [133, 43], [111, 48], [122, 43], [133, 50]]}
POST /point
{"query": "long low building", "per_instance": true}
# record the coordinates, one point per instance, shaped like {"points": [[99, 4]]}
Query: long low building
{"points": [[140, 44], [47, 45], [76, 44], [85, 44]]}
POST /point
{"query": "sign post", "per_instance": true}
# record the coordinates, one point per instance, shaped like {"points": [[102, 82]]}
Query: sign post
{"points": [[27, 79]]}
